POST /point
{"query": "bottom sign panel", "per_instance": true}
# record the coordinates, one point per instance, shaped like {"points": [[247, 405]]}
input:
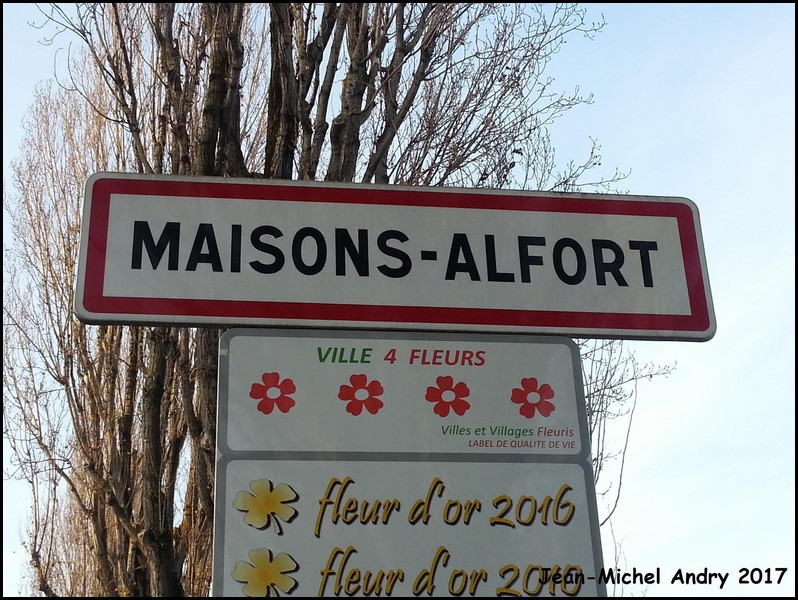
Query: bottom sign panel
{"points": [[387, 528]]}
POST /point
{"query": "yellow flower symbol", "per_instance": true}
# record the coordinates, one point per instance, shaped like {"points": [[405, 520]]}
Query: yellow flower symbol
{"points": [[267, 504], [265, 574]]}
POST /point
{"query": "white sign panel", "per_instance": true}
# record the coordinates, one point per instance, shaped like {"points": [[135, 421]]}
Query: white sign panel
{"points": [[238, 252], [374, 463], [389, 393], [404, 529]]}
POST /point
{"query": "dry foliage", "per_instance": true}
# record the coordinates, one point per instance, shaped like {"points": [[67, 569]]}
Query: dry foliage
{"points": [[114, 426]]}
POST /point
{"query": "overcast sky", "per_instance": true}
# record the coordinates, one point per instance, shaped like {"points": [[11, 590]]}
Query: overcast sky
{"points": [[697, 101]]}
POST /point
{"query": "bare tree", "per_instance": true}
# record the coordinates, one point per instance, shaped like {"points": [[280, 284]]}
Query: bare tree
{"points": [[114, 426]]}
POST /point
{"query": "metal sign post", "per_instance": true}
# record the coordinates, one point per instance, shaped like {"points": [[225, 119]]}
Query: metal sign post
{"points": [[364, 457]]}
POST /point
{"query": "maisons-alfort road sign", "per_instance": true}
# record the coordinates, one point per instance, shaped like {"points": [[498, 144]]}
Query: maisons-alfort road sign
{"points": [[224, 252]]}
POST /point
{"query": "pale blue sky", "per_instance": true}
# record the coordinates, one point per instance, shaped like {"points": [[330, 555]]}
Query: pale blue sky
{"points": [[698, 101]]}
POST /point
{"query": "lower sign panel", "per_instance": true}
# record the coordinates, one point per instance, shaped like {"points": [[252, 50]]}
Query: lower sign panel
{"points": [[321, 391], [394, 528]]}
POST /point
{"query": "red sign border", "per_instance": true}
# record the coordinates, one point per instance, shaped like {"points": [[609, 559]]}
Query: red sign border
{"points": [[92, 304]]}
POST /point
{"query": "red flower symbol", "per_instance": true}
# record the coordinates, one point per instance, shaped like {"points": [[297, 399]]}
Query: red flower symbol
{"points": [[533, 398], [273, 393], [361, 394], [448, 396]]}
